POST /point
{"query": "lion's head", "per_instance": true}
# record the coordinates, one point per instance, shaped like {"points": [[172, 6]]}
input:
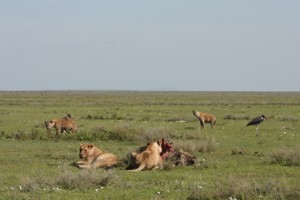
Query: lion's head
{"points": [[85, 150]]}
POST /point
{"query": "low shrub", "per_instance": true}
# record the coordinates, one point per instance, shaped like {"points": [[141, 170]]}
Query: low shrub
{"points": [[238, 151], [35, 183], [36, 134], [286, 118], [82, 180], [286, 156], [245, 188], [20, 135], [237, 117], [2, 135], [152, 134], [86, 179], [204, 146], [123, 132], [191, 135], [102, 117]]}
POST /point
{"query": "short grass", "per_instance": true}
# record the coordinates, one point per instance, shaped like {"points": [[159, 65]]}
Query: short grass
{"points": [[231, 161]]}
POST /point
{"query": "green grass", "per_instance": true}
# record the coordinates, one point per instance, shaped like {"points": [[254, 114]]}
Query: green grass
{"points": [[231, 161]]}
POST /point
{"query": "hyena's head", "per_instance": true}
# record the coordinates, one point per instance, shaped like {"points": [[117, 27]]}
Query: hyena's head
{"points": [[49, 124], [196, 113], [184, 158]]}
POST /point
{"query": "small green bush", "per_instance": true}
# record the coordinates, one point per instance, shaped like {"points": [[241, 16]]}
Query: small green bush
{"points": [[152, 134], [20, 135], [286, 156], [286, 118], [2, 135], [37, 135], [82, 180], [204, 146], [103, 117], [38, 182], [245, 188], [237, 117], [86, 179], [123, 132]]}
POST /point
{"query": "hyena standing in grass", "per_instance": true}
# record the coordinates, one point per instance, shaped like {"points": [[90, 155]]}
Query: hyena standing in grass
{"points": [[205, 118], [65, 124]]}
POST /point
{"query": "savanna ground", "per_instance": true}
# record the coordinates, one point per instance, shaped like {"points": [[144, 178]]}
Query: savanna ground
{"points": [[232, 163]]}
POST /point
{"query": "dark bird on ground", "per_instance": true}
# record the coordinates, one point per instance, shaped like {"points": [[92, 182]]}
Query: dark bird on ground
{"points": [[256, 121]]}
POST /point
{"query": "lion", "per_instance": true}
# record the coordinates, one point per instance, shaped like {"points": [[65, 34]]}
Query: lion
{"points": [[205, 118], [64, 124], [166, 149], [93, 157], [179, 158], [149, 158]]}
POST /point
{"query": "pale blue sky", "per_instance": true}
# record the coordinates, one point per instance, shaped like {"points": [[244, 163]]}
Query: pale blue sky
{"points": [[150, 45]]}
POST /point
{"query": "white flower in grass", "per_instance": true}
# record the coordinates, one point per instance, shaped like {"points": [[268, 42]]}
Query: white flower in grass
{"points": [[56, 189]]}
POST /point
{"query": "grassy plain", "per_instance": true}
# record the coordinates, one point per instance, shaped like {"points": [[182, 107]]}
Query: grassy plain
{"points": [[240, 165]]}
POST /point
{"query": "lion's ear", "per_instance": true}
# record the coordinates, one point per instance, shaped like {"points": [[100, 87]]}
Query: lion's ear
{"points": [[80, 144], [90, 146]]}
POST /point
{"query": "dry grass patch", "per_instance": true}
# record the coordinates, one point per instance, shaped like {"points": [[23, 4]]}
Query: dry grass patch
{"points": [[152, 134], [86, 179], [204, 146], [80, 180], [237, 117], [286, 156], [286, 118], [245, 188]]}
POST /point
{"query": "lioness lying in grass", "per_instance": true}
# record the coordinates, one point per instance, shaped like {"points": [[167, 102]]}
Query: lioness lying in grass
{"points": [[93, 157]]}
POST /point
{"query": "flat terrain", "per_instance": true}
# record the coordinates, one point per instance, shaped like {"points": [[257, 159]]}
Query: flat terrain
{"points": [[231, 161]]}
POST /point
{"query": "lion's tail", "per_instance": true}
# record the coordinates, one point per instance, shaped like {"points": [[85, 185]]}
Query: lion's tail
{"points": [[140, 168]]}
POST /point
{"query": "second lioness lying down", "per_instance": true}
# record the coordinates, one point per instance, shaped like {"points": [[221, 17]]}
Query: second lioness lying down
{"points": [[93, 157]]}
